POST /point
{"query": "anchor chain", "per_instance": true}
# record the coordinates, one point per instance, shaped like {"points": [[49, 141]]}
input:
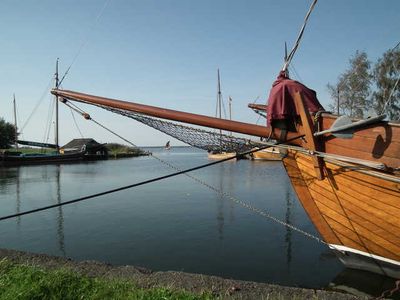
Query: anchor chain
{"points": [[202, 182]]}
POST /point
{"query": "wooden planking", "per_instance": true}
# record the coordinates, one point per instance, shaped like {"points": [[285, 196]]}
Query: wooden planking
{"points": [[363, 241], [359, 196], [373, 187], [350, 218], [307, 201], [379, 142], [369, 145], [389, 187], [346, 235], [346, 151], [384, 220], [371, 131]]}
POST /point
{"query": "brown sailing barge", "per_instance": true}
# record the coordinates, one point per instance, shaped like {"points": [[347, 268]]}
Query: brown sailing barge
{"points": [[350, 188]]}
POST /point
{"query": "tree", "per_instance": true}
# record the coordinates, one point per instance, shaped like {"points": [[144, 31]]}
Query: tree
{"points": [[386, 98], [352, 89], [7, 134]]}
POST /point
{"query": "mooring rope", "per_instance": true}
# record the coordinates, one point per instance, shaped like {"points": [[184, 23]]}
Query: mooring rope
{"points": [[260, 146], [179, 171], [296, 45], [136, 184]]}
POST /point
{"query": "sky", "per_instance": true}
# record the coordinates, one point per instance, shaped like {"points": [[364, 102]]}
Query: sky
{"points": [[166, 53]]}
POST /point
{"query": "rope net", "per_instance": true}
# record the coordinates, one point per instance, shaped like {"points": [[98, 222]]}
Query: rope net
{"points": [[212, 141]]}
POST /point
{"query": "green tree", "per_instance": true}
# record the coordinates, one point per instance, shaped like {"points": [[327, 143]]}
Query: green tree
{"points": [[7, 134], [386, 97], [352, 89]]}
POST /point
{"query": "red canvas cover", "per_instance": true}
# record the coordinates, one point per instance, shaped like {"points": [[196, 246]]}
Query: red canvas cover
{"points": [[280, 101]]}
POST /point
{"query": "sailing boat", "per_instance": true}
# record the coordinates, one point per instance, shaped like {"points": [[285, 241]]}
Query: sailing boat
{"points": [[16, 158], [219, 152], [167, 146], [345, 172], [348, 187]]}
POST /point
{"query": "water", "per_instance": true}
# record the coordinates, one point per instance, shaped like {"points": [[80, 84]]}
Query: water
{"points": [[174, 224]]}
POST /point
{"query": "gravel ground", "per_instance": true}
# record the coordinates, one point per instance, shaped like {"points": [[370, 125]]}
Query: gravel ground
{"points": [[196, 283]]}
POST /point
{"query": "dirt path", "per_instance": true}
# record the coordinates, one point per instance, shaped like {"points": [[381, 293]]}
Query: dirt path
{"points": [[197, 283]]}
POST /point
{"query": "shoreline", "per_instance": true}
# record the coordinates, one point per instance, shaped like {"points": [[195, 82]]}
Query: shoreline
{"points": [[195, 283]]}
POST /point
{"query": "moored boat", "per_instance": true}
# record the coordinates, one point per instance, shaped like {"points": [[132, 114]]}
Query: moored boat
{"points": [[272, 153], [348, 187], [346, 176], [75, 151]]}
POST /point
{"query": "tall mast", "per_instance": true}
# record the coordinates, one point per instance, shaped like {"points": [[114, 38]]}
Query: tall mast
{"points": [[15, 123], [56, 99], [219, 99], [219, 96], [230, 109]]}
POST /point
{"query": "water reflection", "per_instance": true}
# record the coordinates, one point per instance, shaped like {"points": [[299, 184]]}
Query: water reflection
{"points": [[17, 197], [365, 284], [288, 220], [200, 232], [60, 218]]}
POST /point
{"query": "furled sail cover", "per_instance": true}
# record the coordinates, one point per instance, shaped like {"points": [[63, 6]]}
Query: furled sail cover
{"points": [[280, 102]]}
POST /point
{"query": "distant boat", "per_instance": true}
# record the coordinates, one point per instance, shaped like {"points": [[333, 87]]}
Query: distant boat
{"points": [[346, 173], [272, 153], [221, 153], [167, 146], [86, 151]]}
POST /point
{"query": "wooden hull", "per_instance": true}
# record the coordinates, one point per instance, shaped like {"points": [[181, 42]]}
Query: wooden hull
{"points": [[18, 160], [268, 154], [355, 210], [356, 213], [221, 155]]}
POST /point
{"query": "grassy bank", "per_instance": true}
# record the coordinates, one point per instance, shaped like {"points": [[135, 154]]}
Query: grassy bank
{"points": [[119, 151], [21, 281]]}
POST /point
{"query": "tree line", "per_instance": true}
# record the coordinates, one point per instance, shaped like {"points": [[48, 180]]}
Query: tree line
{"points": [[7, 134], [366, 87]]}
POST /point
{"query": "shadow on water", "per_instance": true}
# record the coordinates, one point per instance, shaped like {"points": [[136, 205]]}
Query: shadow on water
{"points": [[365, 284]]}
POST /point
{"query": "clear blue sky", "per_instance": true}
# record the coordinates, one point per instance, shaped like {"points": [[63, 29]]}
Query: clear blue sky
{"points": [[166, 53]]}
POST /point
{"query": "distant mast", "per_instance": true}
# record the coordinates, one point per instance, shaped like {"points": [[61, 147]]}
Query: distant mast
{"points": [[56, 99], [15, 123], [219, 104], [230, 110]]}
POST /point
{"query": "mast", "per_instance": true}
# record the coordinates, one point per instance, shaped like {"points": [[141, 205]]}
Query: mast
{"points": [[230, 110], [56, 99], [15, 123], [219, 104]]}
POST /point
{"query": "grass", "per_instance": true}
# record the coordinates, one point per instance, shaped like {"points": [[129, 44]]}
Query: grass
{"points": [[118, 149], [19, 281]]}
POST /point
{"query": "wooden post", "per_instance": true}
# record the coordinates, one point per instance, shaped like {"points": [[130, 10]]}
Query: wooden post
{"points": [[311, 142]]}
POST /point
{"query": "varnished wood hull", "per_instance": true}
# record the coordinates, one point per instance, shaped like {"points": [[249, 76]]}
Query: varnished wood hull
{"points": [[356, 213], [268, 154], [221, 155]]}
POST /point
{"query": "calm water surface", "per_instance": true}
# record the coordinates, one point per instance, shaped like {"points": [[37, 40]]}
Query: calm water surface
{"points": [[174, 224]]}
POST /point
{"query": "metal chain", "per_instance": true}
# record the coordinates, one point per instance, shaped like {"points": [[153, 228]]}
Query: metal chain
{"points": [[213, 188]]}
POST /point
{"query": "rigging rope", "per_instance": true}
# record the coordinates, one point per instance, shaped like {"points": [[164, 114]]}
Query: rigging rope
{"points": [[136, 184], [76, 124], [220, 192], [179, 172], [146, 119], [296, 45], [85, 41], [45, 93]]}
